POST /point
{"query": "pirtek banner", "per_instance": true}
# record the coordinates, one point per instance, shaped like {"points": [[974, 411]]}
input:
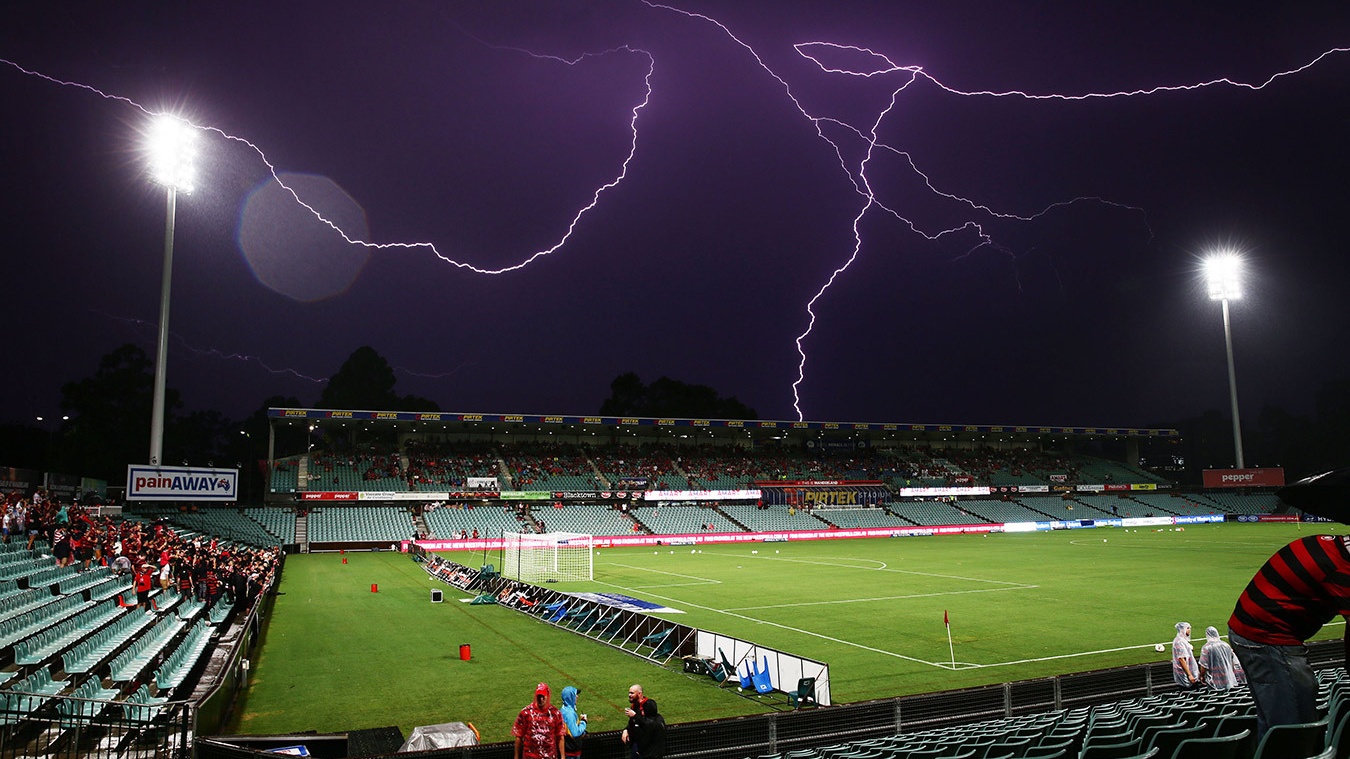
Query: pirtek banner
{"points": [[1244, 478], [177, 483], [831, 497]]}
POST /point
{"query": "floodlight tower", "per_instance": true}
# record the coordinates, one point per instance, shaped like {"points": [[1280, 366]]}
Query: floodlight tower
{"points": [[1223, 280], [171, 148]]}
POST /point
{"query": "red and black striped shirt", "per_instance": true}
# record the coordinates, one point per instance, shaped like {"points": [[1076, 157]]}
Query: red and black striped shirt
{"points": [[1302, 587]]}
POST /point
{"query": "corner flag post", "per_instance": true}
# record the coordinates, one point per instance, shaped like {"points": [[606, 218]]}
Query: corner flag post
{"points": [[946, 621]]}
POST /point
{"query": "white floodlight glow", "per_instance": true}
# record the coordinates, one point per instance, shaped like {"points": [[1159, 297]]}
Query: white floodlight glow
{"points": [[1223, 277], [172, 147]]}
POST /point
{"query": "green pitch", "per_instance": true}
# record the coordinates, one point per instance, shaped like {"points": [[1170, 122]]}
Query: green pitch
{"points": [[339, 657]]}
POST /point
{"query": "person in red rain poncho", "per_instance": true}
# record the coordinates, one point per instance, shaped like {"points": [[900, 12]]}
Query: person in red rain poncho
{"points": [[539, 728]]}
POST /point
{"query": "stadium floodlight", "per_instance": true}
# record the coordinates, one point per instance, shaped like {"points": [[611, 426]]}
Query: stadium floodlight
{"points": [[548, 557], [1223, 276], [1223, 281], [171, 149]]}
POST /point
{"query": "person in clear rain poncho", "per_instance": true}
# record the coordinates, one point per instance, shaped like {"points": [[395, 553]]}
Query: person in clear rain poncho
{"points": [[1184, 669], [1219, 667]]}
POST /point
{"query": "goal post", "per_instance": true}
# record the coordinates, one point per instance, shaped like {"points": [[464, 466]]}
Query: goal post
{"points": [[548, 557]]}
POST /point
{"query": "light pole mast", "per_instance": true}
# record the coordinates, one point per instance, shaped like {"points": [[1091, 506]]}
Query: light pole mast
{"points": [[1223, 280], [171, 153]]}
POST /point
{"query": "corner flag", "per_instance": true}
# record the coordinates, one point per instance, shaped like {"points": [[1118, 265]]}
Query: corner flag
{"points": [[948, 623]]}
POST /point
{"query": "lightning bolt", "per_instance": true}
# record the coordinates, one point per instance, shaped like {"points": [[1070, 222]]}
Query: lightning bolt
{"points": [[213, 352], [439, 375], [248, 359], [909, 75], [427, 246]]}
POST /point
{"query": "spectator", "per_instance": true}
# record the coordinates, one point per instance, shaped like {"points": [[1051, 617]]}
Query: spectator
{"points": [[539, 728], [1184, 670], [1219, 667], [634, 712], [121, 565], [145, 580], [576, 723], [651, 741], [61, 546], [1297, 591]]}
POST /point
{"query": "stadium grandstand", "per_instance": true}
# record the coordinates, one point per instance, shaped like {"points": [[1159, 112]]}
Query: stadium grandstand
{"points": [[87, 673]]}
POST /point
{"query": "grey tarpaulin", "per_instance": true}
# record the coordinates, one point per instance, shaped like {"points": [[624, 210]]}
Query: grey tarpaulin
{"points": [[448, 735]]}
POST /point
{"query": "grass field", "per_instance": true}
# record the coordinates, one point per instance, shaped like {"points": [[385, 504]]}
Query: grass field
{"points": [[339, 657]]}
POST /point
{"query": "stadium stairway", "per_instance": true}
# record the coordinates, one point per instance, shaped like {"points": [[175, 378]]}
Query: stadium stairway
{"points": [[302, 531], [679, 470], [642, 526], [887, 508], [1152, 506], [821, 519], [599, 475], [726, 516], [503, 472], [1093, 507], [1047, 515]]}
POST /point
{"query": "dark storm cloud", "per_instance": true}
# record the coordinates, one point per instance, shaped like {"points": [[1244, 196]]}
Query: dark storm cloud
{"points": [[732, 213]]}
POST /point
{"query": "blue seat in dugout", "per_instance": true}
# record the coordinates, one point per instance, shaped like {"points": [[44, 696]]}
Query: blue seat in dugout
{"points": [[746, 675], [763, 683]]}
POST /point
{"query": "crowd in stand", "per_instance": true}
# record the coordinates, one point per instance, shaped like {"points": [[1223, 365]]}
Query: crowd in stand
{"points": [[198, 567], [440, 463], [631, 463], [534, 463], [372, 465]]}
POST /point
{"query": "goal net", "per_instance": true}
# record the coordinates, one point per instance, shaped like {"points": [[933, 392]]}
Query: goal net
{"points": [[547, 557]]}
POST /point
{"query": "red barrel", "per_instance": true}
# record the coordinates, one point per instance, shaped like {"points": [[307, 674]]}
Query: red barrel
{"points": [[374, 588], [464, 652]]}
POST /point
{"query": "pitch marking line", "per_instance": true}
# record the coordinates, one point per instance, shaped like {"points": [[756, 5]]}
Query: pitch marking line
{"points": [[700, 580], [885, 568], [797, 604]]}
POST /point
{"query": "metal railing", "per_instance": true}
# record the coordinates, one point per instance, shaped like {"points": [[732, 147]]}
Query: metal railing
{"points": [[36, 725]]}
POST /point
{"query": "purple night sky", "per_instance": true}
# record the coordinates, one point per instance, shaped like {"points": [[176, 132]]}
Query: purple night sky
{"points": [[761, 158]]}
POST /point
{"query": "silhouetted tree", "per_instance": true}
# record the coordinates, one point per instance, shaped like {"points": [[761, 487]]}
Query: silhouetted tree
{"points": [[366, 382], [110, 416], [670, 398]]}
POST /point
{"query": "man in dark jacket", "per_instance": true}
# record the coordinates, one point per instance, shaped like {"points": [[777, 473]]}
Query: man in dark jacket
{"points": [[651, 732]]}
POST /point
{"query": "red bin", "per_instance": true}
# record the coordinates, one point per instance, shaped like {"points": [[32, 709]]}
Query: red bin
{"points": [[464, 652]]}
